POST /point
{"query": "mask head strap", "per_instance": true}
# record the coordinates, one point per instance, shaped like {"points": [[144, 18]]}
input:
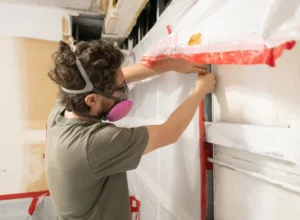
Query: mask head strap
{"points": [[88, 85]]}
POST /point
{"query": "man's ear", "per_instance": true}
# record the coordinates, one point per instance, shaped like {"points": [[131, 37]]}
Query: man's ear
{"points": [[91, 99]]}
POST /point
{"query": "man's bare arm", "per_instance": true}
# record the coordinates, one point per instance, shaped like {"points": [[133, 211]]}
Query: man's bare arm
{"points": [[169, 132], [138, 72]]}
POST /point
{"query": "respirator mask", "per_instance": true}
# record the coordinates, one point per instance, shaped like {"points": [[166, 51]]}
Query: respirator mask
{"points": [[122, 105]]}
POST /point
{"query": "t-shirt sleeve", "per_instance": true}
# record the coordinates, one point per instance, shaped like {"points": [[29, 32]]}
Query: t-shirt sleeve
{"points": [[113, 149]]}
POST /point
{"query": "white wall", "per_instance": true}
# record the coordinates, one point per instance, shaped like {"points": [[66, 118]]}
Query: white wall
{"points": [[257, 95], [11, 143], [31, 21], [74, 4], [167, 181]]}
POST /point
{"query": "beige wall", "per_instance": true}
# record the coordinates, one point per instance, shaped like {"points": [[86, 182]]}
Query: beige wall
{"points": [[27, 41], [38, 91]]}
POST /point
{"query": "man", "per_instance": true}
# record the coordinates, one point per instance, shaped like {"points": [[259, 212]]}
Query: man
{"points": [[86, 157]]}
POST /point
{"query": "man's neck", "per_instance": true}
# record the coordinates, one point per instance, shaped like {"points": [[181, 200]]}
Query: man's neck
{"points": [[68, 114]]}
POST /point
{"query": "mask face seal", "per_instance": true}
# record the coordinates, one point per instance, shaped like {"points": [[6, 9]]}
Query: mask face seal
{"points": [[122, 105]]}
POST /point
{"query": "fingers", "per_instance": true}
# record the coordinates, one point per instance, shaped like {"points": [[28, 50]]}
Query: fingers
{"points": [[200, 66], [201, 70], [204, 66]]}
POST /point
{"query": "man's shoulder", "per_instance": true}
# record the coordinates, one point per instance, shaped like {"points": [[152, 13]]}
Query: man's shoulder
{"points": [[102, 131], [107, 133]]}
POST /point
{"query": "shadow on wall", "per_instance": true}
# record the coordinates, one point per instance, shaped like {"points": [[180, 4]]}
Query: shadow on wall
{"points": [[178, 172], [161, 95], [174, 89], [175, 167]]}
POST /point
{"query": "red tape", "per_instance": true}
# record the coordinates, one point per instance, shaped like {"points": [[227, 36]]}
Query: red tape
{"points": [[32, 206], [241, 57], [34, 195], [35, 198], [136, 208], [24, 195]]}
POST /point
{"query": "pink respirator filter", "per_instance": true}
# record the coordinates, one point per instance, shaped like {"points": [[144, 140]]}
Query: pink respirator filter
{"points": [[120, 110]]}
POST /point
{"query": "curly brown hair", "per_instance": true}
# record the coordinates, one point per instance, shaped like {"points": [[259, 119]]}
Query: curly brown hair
{"points": [[99, 58]]}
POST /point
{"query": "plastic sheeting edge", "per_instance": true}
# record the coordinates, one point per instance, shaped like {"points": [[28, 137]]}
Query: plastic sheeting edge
{"points": [[241, 57]]}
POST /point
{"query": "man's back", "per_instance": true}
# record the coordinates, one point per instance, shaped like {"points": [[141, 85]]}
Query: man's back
{"points": [[86, 166]]}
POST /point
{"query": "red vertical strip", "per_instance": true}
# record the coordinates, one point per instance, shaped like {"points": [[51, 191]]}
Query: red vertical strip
{"points": [[32, 206], [136, 208], [202, 161]]}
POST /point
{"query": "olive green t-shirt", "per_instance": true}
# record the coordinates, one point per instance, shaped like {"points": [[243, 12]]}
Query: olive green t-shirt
{"points": [[86, 166]]}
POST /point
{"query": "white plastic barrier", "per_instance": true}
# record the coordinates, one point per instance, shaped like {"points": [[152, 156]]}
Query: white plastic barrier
{"points": [[167, 182], [27, 206], [231, 32], [38, 206]]}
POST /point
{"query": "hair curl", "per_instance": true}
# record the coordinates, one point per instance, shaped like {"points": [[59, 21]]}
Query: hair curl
{"points": [[100, 59]]}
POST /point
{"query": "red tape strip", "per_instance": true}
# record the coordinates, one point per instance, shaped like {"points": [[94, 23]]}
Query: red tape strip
{"points": [[35, 198], [34, 195], [24, 195], [136, 208], [243, 57], [32, 206]]}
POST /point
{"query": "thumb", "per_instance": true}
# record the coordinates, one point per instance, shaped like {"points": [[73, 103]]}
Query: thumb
{"points": [[202, 74]]}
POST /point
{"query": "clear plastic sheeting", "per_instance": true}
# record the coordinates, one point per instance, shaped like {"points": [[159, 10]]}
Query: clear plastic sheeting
{"points": [[167, 181], [174, 13], [231, 32], [26, 207]]}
